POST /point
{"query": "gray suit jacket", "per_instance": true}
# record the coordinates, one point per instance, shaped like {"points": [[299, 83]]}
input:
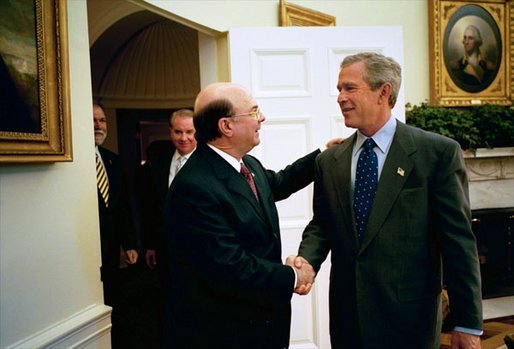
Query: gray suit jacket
{"points": [[385, 292]]}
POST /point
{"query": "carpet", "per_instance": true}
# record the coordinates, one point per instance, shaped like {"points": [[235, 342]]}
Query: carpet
{"points": [[495, 331]]}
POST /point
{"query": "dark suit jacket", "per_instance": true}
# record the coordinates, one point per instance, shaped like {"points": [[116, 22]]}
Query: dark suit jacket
{"points": [[229, 288], [116, 226], [154, 187], [385, 292]]}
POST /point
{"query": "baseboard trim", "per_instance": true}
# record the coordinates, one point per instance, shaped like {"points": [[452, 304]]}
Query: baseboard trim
{"points": [[84, 329]]}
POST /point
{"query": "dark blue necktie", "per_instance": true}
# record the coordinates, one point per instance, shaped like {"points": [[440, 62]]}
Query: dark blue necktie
{"points": [[366, 180]]}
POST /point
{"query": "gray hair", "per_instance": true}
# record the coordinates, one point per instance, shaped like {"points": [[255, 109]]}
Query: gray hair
{"points": [[477, 35], [188, 113], [379, 69]]}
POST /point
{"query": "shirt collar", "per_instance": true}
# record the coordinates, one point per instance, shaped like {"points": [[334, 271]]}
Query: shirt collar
{"points": [[228, 158], [382, 137], [176, 155]]}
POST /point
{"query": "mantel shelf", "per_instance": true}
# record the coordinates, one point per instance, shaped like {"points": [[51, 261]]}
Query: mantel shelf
{"points": [[489, 153]]}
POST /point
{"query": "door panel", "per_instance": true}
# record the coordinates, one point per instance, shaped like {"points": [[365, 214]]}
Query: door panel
{"points": [[292, 72]]}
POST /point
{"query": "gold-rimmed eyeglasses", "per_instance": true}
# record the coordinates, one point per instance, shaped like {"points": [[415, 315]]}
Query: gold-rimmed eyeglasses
{"points": [[256, 114]]}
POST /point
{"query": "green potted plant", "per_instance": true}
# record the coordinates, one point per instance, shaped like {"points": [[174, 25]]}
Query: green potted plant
{"points": [[487, 126]]}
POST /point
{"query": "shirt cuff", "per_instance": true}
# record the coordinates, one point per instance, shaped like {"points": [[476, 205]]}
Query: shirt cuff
{"points": [[295, 277], [468, 330]]}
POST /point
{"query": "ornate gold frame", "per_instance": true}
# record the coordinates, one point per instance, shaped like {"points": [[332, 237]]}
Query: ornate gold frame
{"points": [[446, 89], [291, 15], [53, 143]]}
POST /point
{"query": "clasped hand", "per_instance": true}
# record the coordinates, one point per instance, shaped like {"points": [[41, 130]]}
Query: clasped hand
{"points": [[305, 274]]}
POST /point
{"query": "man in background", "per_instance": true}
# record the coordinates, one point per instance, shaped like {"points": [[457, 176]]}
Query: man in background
{"points": [[164, 161], [391, 204], [161, 167], [116, 226]]}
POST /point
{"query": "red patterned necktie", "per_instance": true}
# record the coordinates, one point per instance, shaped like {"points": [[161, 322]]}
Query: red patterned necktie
{"points": [[249, 178]]}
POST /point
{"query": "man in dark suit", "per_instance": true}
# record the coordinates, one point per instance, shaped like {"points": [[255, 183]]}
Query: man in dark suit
{"points": [[163, 164], [165, 159], [116, 229], [229, 288], [387, 270]]}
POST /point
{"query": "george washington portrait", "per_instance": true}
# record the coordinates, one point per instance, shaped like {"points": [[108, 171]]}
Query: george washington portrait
{"points": [[472, 48]]}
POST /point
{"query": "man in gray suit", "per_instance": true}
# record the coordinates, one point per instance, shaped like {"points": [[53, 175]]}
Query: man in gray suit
{"points": [[388, 262]]}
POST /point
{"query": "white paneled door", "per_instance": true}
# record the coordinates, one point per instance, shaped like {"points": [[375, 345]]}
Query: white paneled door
{"points": [[292, 72]]}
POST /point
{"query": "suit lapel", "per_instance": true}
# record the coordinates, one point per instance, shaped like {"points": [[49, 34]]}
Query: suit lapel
{"points": [[234, 181], [341, 182], [397, 168]]}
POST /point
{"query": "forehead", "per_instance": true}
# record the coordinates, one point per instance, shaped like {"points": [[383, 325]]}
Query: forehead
{"points": [[470, 32], [182, 122], [98, 113], [352, 73], [241, 98]]}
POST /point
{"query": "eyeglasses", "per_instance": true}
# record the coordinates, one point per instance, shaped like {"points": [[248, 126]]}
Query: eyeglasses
{"points": [[256, 114]]}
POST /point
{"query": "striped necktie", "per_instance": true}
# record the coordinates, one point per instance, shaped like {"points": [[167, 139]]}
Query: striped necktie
{"points": [[101, 180]]}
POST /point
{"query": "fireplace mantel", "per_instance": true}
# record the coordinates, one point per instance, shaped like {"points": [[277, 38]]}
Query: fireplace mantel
{"points": [[491, 177]]}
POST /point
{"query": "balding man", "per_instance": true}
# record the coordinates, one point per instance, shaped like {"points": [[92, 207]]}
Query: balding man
{"points": [[229, 288]]}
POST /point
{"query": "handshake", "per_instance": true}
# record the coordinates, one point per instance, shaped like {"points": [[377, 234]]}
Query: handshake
{"points": [[305, 274]]}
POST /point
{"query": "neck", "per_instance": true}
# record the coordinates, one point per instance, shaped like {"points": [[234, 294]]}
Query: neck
{"points": [[227, 148], [371, 129]]}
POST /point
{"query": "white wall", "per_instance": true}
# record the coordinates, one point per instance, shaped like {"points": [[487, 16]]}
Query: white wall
{"points": [[49, 239], [412, 15]]}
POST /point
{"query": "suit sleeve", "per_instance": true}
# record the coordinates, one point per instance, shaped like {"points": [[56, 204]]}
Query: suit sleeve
{"points": [[204, 242], [151, 215], [450, 200], [126, 226], [291, 179], [315, 246]]}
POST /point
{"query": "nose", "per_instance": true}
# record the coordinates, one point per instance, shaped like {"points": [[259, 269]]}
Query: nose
{"points": [[341, 97]]}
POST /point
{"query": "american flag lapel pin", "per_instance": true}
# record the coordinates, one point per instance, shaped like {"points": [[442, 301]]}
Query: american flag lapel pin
{"points": [[400, 171]]}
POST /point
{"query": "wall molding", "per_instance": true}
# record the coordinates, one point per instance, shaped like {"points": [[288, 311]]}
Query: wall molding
{"points": [[89, 328]]}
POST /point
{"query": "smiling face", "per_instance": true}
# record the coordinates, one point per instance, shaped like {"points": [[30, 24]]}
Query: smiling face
{"points": [[100, 124], [182, 133], [361, 107], [245, 126]]}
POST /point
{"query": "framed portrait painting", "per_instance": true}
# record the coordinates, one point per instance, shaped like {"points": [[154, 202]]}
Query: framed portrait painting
{"points": [[470, 59], [34, 82]]}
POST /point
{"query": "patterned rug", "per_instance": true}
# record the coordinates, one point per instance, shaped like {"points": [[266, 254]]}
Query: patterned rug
{"points": [[495, 331]]}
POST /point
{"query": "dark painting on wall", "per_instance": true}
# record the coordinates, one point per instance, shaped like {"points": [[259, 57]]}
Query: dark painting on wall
{"points": [[35, 120], [19, 99]]}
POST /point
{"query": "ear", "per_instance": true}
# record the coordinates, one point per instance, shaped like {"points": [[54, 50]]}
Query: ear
{"points": [[385, 92], [225, 127]]}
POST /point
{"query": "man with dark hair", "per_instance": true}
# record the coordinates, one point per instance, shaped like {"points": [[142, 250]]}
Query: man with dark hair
{"points": [[229, 287]]}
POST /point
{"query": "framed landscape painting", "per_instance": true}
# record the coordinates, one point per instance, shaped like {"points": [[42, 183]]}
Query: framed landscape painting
{"points": [[34, 82]]}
